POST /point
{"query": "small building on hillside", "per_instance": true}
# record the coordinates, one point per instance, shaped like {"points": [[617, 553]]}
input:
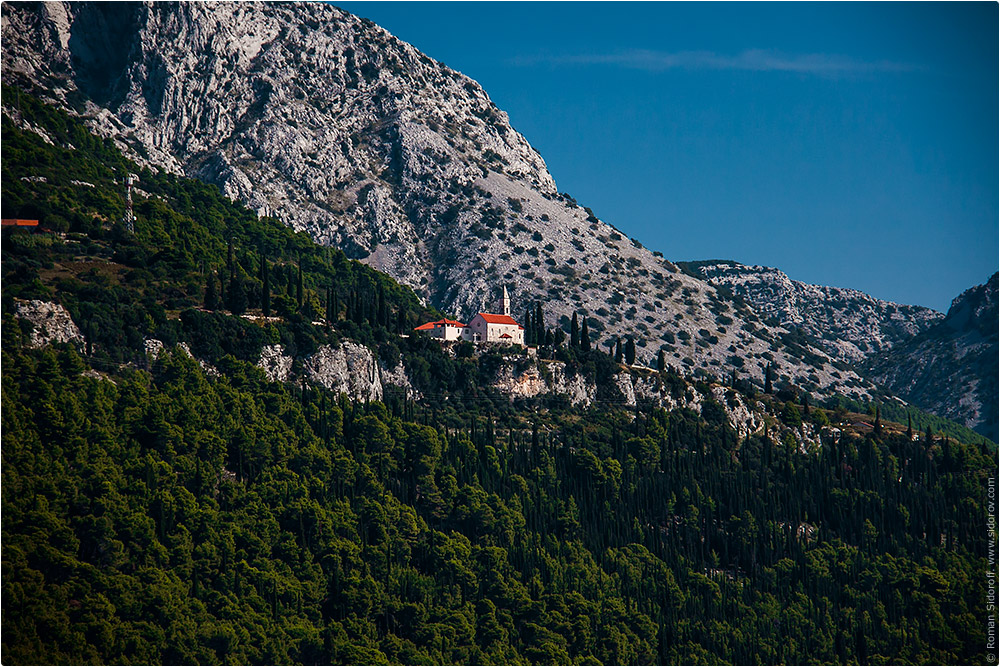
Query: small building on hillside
{"points": [[444, 329], [499, 328]]}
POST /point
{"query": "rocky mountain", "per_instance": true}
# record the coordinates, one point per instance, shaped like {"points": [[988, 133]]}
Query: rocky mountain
{"points": [[846, 324], [307, 113], [951, 368], [946, 365]]}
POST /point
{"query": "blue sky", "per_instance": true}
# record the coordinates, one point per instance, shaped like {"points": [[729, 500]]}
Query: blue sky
{"points": [[848, 144]]}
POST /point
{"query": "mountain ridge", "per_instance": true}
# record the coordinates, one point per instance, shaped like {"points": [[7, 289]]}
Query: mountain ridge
{"points": [[328, 122], [848, 324], [951, 368]]}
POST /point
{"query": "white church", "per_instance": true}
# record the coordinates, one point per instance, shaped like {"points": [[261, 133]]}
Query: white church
{"points": [[498, 328]]}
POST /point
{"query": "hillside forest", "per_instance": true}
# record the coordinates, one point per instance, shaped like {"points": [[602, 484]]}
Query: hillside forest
{"points": [[180, 508]]}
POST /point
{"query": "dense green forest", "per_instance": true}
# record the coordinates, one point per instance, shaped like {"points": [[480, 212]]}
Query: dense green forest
{"points": [[153, 513]]}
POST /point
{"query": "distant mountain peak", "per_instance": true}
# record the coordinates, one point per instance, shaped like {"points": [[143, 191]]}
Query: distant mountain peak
{"points": [[847, 324]]}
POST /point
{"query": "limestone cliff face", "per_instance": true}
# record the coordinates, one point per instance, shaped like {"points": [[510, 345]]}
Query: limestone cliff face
{"points": [[522, 379], [951, 369], [50, 323], [348, 368], [846, 324], [945, 364], [328, 122]]}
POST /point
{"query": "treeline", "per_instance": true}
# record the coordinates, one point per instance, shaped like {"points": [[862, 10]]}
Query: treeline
{"points": [[167, 517]]}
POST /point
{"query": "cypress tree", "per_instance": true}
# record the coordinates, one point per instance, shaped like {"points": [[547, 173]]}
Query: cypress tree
{"points": [[265, 292], [768, 382], [630, 352], [380, 311], [211, 293], [661, 363], [289, 281], [585, 337], [298, 286], [574, 332], [529, 327], [236, 296], [539, 323], [618, 350]]}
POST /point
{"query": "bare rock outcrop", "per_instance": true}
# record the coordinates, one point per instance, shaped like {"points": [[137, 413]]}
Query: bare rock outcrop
{"points": [[50, 323], [847, 324], [398, 377], [277, 366], [351, 369]]}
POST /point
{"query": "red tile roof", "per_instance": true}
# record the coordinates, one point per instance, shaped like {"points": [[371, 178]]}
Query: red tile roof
{"points": [[505, 336], [492, 318], [440, 323]]}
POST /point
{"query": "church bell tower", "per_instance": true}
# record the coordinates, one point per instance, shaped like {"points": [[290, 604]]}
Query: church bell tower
{"points": [[504, 304]]}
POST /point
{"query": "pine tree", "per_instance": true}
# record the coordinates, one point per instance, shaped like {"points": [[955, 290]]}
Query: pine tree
{"points": [[630, 352], [585, 337], [574, 332], [559, 337]]}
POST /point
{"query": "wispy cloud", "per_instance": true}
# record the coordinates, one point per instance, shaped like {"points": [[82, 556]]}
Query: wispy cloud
{"points": [[754, 60]]}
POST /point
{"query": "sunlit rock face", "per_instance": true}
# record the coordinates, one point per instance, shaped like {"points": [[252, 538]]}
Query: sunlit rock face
{"points": [[49, 323], [329, 123]]}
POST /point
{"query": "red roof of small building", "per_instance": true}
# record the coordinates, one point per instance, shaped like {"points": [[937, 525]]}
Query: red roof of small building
{"points": [[11, 222], [440, 323], [493, 318]]}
